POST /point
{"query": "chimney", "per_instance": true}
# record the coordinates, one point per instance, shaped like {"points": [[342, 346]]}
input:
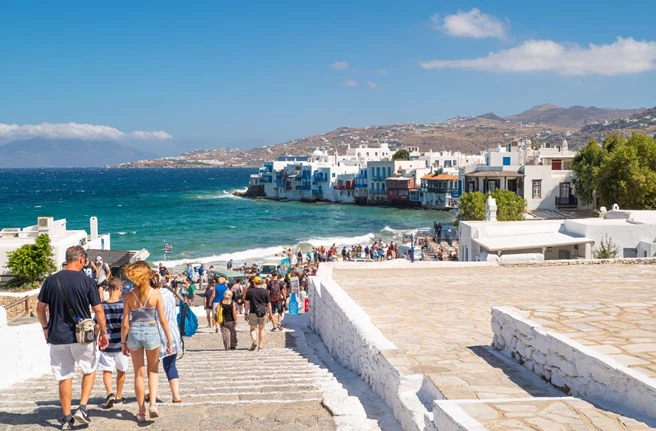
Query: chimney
{"points": [[490, 209], [93, 230]]}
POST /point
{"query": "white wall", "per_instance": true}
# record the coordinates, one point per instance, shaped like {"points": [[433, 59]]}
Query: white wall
{"points": [[568, 364]]}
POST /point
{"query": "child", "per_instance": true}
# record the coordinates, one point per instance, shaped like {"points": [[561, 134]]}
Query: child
{"points": [[112, 357], [191, 291]]}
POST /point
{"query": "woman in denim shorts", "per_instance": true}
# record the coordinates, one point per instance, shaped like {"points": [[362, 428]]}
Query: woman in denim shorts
{"points": [[140, 332]]}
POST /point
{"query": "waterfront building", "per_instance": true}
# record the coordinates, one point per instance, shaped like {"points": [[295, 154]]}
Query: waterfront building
{"points": [[450, 161], [543, 176], [380, 171], [439, 191], [632, 232]]}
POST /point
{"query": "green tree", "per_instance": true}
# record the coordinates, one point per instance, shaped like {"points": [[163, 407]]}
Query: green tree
{"points": [[621, 171], [606, 249], [401, 154], [31, 262], [510, 206], [586, 165], [471, 206]]}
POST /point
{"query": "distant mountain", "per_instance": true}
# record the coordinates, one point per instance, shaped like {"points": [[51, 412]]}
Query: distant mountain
{"points": [[644, 121], [65, 153], [490, 116], [573, 117]]}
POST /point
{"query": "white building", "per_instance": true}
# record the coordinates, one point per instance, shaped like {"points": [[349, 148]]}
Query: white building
{"points": [[543, 176], [378, 172], [60, 239], [450, 161], [632, 232]]}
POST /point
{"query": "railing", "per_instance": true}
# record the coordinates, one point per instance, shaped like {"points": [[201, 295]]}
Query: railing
{"points": [[319, 177], [24, 301], [266, 178], [567, 202], [306, 176], [317, 191], [379, 177], [306, 187], [455, 193], [360, 185]]}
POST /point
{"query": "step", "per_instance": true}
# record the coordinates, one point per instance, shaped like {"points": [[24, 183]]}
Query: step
{"points": [[544, 414]]}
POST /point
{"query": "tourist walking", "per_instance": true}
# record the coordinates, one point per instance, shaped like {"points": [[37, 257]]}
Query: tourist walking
{"points": [[277, 294], [219, 292], [68, 295], [169, 360], [202, 276], [143, 311], [208, 298], [90, 269], [238, 295], [258, 307], [191, 293], [104, 275], [228, 321], [112, 358]]}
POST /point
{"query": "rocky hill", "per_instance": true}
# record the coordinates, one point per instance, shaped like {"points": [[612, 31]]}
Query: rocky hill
{"points": [[546, 123], [573, 117]]}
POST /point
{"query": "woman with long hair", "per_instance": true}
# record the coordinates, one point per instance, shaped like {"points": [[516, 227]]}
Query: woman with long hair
{"points": [[142, 308]]}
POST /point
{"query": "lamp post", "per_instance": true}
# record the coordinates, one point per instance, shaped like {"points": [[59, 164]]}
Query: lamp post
{"points": [[412, 247]]}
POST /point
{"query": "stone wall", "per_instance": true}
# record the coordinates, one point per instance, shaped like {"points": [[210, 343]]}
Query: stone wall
{"points": [[350, 337], [628, 261], [19, 310], [572, 366]]}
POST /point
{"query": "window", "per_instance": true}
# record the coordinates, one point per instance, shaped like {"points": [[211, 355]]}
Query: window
{"points": [[378, 171], [537, 189], [506, 161], [367, 154], [556, 165]]}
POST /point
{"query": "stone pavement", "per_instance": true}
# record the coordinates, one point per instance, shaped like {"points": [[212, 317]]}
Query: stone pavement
{"points": [[440, 318], [548, 415], [275, 389], [622, 330]]}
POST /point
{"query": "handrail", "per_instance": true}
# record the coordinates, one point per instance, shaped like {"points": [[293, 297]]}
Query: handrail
{"points": [[25, 299]]}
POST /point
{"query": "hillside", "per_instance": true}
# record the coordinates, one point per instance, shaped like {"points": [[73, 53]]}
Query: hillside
{"points": [[65, 153], [463, 133], [573, 117]]}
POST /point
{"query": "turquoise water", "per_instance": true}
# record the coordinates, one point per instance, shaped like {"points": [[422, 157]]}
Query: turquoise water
{"points": [[193, 210]]}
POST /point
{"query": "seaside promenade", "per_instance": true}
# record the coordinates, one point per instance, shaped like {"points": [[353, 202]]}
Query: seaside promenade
{"points": [[431, 324]]}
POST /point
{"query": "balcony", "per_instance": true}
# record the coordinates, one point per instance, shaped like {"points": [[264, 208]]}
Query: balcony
{"points": [[455, 193], [378, 177], [320, 177], [361, 185], [306, 187], [306, 175], [567, 202], [266, 178], [318, 191]]}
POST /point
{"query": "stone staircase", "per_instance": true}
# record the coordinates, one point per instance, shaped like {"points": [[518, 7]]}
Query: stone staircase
{"points": [[277, 388]]}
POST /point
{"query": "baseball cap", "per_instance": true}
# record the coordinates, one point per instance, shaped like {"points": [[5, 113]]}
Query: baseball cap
{"points": [[257, 280], [98, 259]]}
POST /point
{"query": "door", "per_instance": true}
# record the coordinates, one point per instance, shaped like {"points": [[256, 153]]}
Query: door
{"points": [[563, 255], [565, 190]]}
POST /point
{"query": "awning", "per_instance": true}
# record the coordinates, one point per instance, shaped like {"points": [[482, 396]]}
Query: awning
{"points": [[532, 241], [494, 174]]}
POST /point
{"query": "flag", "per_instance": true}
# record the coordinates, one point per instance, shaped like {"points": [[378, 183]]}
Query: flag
{"points": [[168, 248]]}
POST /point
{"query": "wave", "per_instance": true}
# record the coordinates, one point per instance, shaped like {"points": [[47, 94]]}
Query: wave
{"points": [[257, 255], [225, 194], [134, 232]]}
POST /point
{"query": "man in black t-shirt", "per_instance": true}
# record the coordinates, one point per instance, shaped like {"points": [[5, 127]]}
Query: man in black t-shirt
{"points": [[258, 306], [81, 293]]}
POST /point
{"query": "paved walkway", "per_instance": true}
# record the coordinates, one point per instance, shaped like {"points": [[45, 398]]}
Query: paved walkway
{"points": [[622, 330], [275, 389], [548, 415], [440, 318]]}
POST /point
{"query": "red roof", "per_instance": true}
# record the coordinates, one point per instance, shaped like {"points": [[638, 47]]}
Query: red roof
{"points": [[442, 177]]}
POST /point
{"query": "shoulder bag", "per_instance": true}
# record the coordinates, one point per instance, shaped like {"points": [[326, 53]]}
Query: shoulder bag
{"points": [[84, 333]]}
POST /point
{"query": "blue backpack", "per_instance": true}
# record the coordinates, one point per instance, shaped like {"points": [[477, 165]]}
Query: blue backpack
{"points": [[187, 320]]}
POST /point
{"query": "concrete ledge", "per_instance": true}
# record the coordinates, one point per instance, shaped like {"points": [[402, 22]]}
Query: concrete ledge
{"points": [[350, 337], [572, 366]]}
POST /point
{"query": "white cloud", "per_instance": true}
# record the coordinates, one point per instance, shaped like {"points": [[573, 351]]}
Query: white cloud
{"points": [[349, 83], [381, 71], [89, 132], [371, 84], [340, 65], [624, 56], [474, 24]]}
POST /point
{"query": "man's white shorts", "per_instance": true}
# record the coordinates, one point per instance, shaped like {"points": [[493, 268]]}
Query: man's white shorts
{"points": [[112, 361], [63, 358]]}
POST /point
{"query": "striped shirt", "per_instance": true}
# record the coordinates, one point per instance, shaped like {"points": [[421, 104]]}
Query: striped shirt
{"points": [[113, 317]]}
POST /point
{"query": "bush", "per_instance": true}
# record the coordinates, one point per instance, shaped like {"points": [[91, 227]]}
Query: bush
{"points": [[606, 249], [510, 206], [31, 263], [401, 154]]}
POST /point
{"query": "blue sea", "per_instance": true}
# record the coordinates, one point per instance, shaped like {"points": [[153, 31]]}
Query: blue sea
{"points": [[195, 211]]}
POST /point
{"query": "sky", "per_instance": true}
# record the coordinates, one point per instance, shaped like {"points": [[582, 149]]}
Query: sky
{"points": [[173, 76]]}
